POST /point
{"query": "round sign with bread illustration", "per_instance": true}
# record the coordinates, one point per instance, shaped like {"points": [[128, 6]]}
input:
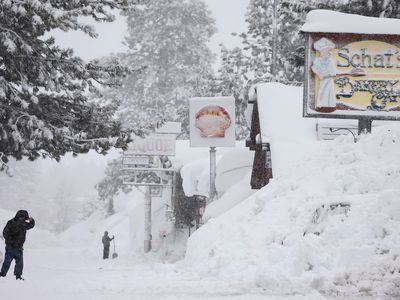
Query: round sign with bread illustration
{"points": [[212, 121]]}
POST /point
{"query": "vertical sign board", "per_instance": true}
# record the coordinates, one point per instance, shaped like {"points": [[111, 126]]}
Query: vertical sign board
{"points": [[212, 122], [352, 76]]}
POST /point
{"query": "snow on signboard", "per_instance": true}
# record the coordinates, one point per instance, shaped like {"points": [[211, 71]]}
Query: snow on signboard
{"points": [[212, 122], [321, 20], [349, 75]]}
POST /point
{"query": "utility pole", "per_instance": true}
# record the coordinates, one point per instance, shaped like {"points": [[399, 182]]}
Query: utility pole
{"points": [[274, 37]]}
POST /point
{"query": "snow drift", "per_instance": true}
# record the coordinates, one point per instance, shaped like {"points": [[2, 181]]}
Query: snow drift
{"points": [[329, 221]]}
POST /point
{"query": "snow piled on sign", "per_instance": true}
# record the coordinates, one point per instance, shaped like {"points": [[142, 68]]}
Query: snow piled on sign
{"points": [[327, 222], [321, 20]]}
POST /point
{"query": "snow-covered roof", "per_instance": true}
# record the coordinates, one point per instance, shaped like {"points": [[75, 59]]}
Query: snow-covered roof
{"points": [[321, 20], [170, 127], [280, 109]]}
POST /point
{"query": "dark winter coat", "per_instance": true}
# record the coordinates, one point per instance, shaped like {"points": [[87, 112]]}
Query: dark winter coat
{"points": [[106, 241], [15, 231]]}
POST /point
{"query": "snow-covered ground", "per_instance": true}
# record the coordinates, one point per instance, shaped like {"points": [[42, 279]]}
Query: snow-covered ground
{"points": [[70, 266], [65, 274]]}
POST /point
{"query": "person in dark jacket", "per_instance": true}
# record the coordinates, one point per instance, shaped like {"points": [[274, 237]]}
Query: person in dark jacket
{"points": [[106, 244], [14, 234]]}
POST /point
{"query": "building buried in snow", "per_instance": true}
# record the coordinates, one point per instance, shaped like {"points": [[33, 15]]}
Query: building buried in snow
{"points": [[262, 165]]}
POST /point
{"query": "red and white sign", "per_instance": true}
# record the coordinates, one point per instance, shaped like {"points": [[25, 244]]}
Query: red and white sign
{"points": [[154, 144]]}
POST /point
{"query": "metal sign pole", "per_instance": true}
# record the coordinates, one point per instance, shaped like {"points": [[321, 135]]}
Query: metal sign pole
{"points": [[147, 220], [364, 125], [213, 172]]}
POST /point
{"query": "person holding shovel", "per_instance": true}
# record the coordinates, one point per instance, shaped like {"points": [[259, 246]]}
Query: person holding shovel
{"points": [[106, 245]]}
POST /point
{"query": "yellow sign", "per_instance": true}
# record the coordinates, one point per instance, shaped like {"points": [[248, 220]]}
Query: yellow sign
{"points": [[358, 76]]}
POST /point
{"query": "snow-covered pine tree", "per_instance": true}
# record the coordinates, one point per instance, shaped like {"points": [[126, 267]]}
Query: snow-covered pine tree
{"points": [[254, 60], [263, 34], [44, 88], [168, 38], [231, 80], [112, 184], [372, 8]]}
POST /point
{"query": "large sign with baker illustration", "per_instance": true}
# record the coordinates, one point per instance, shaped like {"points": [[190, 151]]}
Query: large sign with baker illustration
{"points": [[212, 122], [352, 76]]}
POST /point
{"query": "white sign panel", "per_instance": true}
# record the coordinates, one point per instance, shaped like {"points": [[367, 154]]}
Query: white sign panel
{"points": [[154, 144], [135, 160], [212, 122]]}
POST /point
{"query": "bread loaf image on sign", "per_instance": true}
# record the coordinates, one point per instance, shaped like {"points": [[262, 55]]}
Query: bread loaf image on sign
{"points": [[212, 121]]}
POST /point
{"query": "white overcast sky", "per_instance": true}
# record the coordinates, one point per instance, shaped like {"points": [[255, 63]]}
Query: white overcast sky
{"points": [[229, 15]]}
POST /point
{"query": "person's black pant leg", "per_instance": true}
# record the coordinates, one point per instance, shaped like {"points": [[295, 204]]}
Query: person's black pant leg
{"points": [[106, 252], [19, 263], [8, 257]]}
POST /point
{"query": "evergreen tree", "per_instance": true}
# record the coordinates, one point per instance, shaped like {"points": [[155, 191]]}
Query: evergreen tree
{"points": [[168, 39], [112, 184], [274, 26], [372, 8], [44, 109], [231, 80]]}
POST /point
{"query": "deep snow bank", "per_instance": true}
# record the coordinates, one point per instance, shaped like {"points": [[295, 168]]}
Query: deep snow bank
{"points": [[271, 239], [232, 165], [293, 236]]}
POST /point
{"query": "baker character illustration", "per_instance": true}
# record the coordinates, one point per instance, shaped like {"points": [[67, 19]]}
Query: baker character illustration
{"points": [[324, 67]]}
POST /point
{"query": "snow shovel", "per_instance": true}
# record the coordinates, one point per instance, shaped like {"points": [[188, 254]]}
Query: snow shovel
{"points": [[115, 254]]}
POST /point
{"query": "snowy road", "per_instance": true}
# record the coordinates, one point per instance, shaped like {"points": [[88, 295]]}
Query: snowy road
{"points": [[78, 275]]}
